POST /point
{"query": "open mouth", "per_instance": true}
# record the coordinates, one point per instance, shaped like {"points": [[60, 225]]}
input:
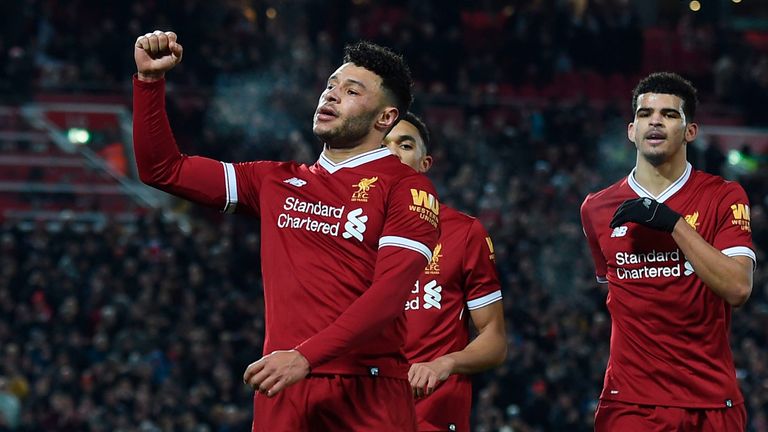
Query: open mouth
{"points": [[655, 137], [326, 113]]}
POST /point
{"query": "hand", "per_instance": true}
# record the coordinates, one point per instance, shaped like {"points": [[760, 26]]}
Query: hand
{"points": [[647, 212], [155, 54], [274, 372], [424, 377]]}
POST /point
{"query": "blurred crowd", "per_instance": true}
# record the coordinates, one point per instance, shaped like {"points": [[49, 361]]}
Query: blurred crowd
{"points": [[148, 326]]}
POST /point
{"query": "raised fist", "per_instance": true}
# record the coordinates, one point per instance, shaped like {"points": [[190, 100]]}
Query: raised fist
{"points": [[155, 54]]}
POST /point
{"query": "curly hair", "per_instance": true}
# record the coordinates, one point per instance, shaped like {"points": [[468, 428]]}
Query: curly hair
{"points": [[394, 72], [668, 83]]}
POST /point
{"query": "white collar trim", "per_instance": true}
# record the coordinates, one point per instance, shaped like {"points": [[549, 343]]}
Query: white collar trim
{"points": [[354, 161], [668, 192]]}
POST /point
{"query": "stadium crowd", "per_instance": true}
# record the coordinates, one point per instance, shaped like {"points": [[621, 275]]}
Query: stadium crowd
{"points": [[148, 326]]}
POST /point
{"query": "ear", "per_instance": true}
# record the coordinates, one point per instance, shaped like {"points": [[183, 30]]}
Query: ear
{"points": [[426, 164], [691, 130], [387, 118], [631, 132]]}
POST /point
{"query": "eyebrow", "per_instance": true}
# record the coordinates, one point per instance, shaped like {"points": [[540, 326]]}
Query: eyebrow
{"points": [[663, 110], [349, 80], [406, 138]]}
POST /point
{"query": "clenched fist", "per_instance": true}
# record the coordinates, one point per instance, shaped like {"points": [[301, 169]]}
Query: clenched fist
{"points": [[155, 54]]}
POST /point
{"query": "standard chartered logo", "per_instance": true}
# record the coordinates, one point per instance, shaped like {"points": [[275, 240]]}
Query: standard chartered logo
{"points": [[355, 226], [321, 218], [432, 297], [655, 264]]}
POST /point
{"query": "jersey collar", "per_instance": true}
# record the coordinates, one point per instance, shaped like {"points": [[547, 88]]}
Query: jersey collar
{"points": [[668, 192], [354, 161]]}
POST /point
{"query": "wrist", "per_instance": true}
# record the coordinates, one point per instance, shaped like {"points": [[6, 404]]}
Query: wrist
{"points": [[304, 361], [150, 77], [448, 363]]}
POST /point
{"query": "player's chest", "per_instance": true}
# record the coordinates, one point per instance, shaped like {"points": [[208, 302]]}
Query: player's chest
{"points": [[440, 284], [634, 245], [340, 207]]}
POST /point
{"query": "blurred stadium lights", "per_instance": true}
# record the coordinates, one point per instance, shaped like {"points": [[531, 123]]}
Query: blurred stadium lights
{"points": [[271, 13], [736, 1], [742, 163], [694, 5], [78, 135]]}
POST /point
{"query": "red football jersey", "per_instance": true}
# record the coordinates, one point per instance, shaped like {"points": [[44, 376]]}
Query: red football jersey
{"points": [[461, 276], [669, 333], [341, 243]]}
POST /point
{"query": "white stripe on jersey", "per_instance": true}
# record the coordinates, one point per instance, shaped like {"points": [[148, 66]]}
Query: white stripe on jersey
{"points": [[484, 300], [407, 244], [601, 279], [354, 161], [668, 192], [741, 251], [230, 183]]}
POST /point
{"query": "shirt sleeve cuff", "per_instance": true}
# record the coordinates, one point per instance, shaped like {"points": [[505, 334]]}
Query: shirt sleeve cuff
{"points": [[148, 84]]}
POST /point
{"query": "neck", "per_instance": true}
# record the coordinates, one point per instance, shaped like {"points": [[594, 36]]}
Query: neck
{"points": [[656, 179], [340, 154]]}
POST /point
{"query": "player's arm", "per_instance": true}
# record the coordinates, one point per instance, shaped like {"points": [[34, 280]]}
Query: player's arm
{"points": [[728, 277], [399, 262], [159, 162], [725, 267], [598, 259], [481, 285], [396, 268], [487, 350]]}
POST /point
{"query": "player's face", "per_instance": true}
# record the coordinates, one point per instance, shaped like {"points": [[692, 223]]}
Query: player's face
{"points": [[405, 142], [349, 106], [660, 129]]}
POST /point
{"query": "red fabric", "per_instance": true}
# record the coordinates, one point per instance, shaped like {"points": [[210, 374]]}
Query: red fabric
{"points": [[669, 337], [337, 403], [614, 416], [333, 288], [462, 269], [158, 159]]}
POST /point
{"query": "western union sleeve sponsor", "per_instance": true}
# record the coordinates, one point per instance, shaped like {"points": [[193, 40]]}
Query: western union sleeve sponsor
{"points": [[426, 205]]}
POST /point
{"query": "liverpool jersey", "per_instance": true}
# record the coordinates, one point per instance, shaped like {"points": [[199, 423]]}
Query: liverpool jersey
{"points": [[669, 332], [461, 276], [341, 242]]}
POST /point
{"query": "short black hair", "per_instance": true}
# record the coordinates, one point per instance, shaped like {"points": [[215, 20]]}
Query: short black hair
{"points": [[421, 127], [668, 83], [394, 72]]}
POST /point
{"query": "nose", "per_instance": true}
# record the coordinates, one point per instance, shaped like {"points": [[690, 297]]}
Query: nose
{"points": [[331, 95], [655, 119]]}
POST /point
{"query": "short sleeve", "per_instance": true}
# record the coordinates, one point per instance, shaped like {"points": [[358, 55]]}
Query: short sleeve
{"points": [[733, 234], [601, 265], [481, 280], [412, 216]]}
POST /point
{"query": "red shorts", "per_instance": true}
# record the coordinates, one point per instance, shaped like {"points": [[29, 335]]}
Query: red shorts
{"points": [[448, 408], [619, 416], [337, 403]]}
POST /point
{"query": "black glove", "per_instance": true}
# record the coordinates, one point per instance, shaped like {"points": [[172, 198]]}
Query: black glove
{"points": [[645, 211]]}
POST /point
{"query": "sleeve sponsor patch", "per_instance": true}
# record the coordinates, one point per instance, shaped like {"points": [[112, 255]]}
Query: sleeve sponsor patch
{"points": [[741, 216], [426, 205]]}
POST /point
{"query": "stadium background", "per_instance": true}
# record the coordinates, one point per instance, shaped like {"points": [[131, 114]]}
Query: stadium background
{"points": [[123, 310]]}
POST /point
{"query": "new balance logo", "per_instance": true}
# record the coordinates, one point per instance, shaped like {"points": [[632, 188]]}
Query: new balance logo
{"points": [[620, 231], [295, 182], [432, 296], [355, 226]]}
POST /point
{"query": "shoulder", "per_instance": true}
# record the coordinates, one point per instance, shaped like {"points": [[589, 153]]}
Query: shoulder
{"points": [[606, 195], [452, 220], [715, 184]]}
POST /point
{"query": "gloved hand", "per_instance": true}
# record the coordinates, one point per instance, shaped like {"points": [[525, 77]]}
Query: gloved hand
{"points": [[647, 212]]}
